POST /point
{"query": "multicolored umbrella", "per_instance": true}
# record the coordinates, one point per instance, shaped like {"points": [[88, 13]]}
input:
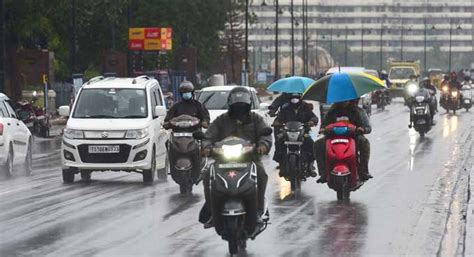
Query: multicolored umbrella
{"points": [[340, 87], [295, 84]]}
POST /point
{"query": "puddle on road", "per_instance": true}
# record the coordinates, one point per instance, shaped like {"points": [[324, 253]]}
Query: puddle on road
{"points": [[450, 125]]}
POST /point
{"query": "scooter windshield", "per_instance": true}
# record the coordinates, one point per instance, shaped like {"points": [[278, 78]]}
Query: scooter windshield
{"points": [[340, 130]]}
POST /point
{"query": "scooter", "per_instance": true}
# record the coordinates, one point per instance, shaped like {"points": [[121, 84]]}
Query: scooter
{"points": [[450, 99], [421, 114], [294, 164], [467, 97], [341, 159], [233, 191], [183, 157]]}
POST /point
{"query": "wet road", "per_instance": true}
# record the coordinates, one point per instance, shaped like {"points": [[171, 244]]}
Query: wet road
{"points": [[411, 208]]}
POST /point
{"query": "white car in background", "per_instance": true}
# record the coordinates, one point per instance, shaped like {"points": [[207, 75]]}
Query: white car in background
{"points": [[115, 124], [214, 98], [15, 140]]}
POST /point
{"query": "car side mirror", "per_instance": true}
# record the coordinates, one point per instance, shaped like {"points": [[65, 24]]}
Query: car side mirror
{"points": [[266, 132], [160, 111], [198, 135], [264, 106], [64, 111]]}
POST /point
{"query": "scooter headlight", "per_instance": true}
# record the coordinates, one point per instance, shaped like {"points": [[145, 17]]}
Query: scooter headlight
{"points": [[232, 152], [454, 93], [445, 88], [420, 99], [412, 88], [293, 136]]}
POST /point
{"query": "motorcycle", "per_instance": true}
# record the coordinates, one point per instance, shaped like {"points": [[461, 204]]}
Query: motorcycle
{"points": [[43, 124], [233, 190], [26, 113], [467, 97], [294, 163], [381, 98], [421, 114], [450, 99], [183, 158], [341, 159]]}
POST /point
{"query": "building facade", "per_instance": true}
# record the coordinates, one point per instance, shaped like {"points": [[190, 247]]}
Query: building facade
{"points": [[367, 33]]}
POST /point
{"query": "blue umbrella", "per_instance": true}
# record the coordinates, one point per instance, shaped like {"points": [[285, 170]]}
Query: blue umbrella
{"points": [[295, 84], [340, 87]]}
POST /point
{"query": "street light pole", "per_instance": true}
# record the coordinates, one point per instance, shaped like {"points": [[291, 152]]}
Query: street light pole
{"points": [[345, 47], [362, 45], [451, 41], [424, 47], [381, 46], [2, 46], [246, 64], [73, 37], [292, 40], [277, 68]]}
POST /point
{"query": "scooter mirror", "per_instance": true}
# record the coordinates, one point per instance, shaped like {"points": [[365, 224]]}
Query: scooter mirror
{"points": [[199, 135], [266, 131]]}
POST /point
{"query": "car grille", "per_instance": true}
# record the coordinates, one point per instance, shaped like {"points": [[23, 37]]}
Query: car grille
{"points": [[120, 157]]}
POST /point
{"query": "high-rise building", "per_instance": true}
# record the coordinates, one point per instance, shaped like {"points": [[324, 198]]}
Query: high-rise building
{"points": [[378, 30]]}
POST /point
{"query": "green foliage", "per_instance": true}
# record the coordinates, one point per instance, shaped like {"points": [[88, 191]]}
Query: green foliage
{"points": [[103, 25]]}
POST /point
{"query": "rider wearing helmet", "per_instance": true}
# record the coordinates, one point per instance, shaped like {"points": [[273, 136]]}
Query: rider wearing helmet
{"points": [[188, 106], [296, 110], [239, 121], [349, 111], [453, 81]]}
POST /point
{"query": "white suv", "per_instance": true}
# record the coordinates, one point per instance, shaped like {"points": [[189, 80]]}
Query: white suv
{"points": [[15, 140], [115, 124]]}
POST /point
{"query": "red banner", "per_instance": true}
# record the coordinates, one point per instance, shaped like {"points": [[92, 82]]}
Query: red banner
{"points": [[136, 44], [152, 33]]}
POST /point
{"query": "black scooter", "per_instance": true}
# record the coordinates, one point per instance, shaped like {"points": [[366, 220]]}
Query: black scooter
{"points": [[183, 159], [233, 188], [420, 113]]}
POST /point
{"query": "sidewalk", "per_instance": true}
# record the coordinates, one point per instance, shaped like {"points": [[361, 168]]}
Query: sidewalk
{"points": [[469, 228]]}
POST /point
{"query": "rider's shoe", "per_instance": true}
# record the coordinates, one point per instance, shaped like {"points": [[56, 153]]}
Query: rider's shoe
{"points": [[365, 176], [209, 223], [321, 180]]}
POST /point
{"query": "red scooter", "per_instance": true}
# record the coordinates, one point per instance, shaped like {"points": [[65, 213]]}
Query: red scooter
{"points": [[341, 159]]}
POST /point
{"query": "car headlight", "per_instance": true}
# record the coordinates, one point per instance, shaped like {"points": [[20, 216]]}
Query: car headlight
{"points": [[73, 133], [137, 133]]}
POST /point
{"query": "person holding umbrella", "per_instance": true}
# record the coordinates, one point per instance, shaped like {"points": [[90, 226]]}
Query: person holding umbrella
{"points": [[343, 91], [296, 110], [351, 112]]}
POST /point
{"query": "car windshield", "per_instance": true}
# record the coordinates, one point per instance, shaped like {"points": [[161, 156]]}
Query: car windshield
{"points": [[401, 73], [111, 103], [215, 100]]}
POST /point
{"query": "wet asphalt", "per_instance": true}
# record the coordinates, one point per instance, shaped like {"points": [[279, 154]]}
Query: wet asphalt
{"points": [[412, 207]]}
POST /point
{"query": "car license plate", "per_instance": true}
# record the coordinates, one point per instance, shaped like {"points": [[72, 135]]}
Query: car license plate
{"points": [[104, 149]]}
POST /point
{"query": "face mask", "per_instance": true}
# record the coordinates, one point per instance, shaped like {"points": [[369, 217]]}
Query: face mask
{"points": [[239, 110], [294, 100], [187, 95]]}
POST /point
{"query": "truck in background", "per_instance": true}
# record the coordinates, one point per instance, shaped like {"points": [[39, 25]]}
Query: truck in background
{"points": [[399, 73]]}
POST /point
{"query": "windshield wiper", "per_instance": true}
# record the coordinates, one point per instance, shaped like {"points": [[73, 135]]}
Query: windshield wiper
{"points": [[132, 116], [101, 116]]}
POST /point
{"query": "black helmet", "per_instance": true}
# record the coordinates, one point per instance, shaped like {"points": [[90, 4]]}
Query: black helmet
{"points": [[185, 87], [239, 95]]}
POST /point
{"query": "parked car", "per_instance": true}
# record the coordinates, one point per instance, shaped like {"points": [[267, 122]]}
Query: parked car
{"points": [[115, 124], [215, 100], [15, 140]]}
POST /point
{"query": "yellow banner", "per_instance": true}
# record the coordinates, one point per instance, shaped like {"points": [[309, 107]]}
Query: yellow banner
{"points": [[136, 33], [152, 45]]}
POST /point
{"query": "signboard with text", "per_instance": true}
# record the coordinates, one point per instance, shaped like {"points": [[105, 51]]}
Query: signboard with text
{"points": [[150, 39]]}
